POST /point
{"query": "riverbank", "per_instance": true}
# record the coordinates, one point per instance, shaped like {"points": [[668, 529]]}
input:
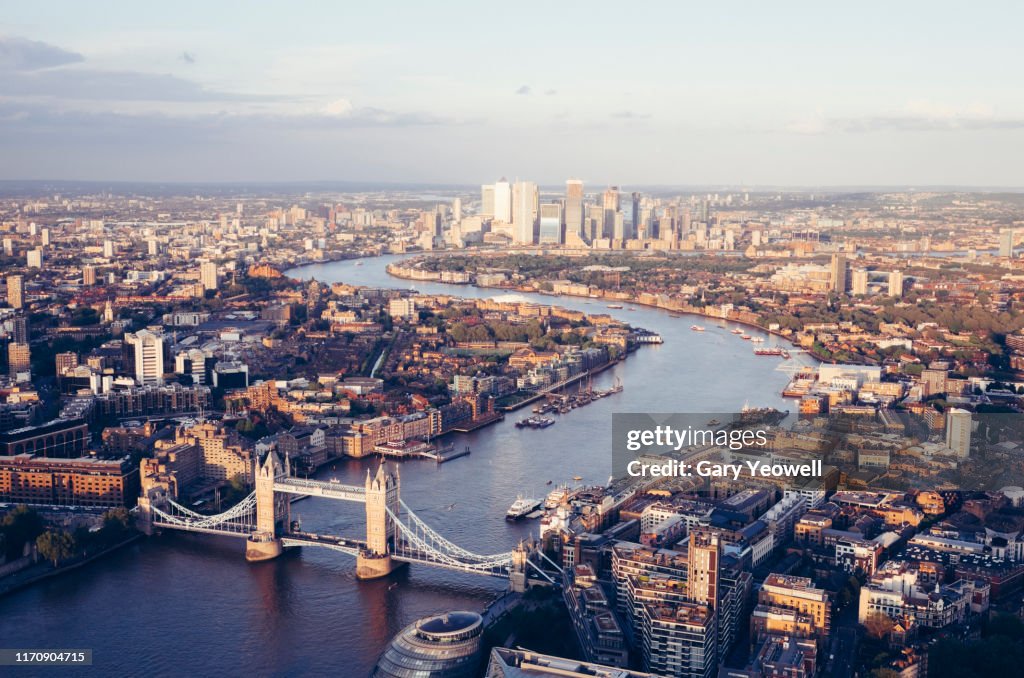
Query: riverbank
{"points": [[45, 570], [398, 270]]}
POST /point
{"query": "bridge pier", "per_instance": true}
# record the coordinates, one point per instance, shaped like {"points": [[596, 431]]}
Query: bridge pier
{"points": [[262, 547], [374, 566]]}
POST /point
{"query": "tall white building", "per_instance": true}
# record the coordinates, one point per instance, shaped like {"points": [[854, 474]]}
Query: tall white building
{"points": [[1006, 243], [574, 207], [896, 284], [524, 212], [208, 275], [503, 201], [859, 282], [15, 291], [148, 352], [958, 432]]}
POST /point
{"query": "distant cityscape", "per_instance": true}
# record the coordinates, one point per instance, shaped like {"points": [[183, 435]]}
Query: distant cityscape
{"points": [[173, 366]]}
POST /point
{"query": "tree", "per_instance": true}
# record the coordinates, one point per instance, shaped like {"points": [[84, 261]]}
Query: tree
{"points": [[56, 546], [21, 526]]}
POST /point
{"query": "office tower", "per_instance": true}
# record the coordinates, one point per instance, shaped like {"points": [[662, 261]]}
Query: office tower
{"points": [[487, 201], [620, 231], [859, 282], [148, 356], [195, 364], [503, 201], [19, 359], [610, 203], [524, 211], [1006, 243], [837, 280], [550, 224], [16, 291], [635, 223], [108, 249], [89, 275], [45, 235], [208, 275], [34, 258], [457, 209], [958, 432], [574, 207], [594, 227]]}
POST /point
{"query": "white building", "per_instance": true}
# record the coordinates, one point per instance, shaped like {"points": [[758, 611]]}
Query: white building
{"points": [[958, 432], [148, 349]]}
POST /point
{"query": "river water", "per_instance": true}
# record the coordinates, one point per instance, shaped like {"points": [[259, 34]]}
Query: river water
{"points": [[181, 604]]}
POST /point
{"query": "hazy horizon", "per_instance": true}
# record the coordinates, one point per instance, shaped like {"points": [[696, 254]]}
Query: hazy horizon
{"points": [[785, 95]]}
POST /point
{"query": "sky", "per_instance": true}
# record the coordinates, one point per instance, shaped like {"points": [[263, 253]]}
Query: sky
{"points": [[667, 93]]}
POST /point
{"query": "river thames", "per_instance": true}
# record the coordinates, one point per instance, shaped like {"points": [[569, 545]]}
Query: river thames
{"points": [[181, 604]]}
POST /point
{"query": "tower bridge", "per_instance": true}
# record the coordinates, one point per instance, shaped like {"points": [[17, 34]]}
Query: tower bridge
{"points": [[395, 535]]}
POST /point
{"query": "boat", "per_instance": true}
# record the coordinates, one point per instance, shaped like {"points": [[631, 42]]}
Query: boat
{"points": [[696, 328], [615, 306], [556, 496], [521, 507], [771, 350], [714, 422], [737, 331], [577, 477], [745, 337], [758, 340], [359, 263]]}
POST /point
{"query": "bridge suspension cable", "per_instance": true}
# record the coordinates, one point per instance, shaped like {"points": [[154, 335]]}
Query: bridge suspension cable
{"points": [[240, 519]]}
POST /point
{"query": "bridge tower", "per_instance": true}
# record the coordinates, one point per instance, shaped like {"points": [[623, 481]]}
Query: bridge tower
{"points": [[272, 511], [382, 494]]}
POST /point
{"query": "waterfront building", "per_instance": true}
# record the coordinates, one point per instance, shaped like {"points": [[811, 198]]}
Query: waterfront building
{"points": [[440, 646], [225, 454], [29, 479]]}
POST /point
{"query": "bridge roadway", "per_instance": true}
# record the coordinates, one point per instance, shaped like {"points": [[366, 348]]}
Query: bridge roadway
{"points": [[319, 488], [343, 544]]}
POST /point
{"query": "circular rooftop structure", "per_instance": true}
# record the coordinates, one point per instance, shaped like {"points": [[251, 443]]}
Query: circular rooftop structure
{"points": [[444, 645]]}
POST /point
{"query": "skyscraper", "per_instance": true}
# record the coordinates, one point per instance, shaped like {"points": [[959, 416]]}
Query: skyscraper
{"points": [[457, 209], [634, 227], [837, 280], [610, 203], [574, 207], [550, 224], [15, 291], [487, 201], [524, 212], [503, 201], [148, 356], [34, 258], [88, 275]]}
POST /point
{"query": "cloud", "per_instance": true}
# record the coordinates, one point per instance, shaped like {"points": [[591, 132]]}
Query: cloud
{"points": [[524, 90], [188, 57], [20, 54]]}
